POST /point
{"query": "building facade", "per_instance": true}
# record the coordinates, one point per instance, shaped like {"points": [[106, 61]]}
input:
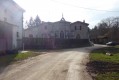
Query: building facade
{"points": [[60, 29], [11, 25]]}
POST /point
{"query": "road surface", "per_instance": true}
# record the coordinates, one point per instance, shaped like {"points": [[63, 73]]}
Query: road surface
{"points": [[69, 64]]}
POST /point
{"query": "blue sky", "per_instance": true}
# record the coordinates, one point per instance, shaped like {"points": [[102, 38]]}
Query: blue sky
{"points": [[92, 11]]}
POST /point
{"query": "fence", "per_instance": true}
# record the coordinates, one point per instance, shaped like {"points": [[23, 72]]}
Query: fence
{"points": [[50, 43]]}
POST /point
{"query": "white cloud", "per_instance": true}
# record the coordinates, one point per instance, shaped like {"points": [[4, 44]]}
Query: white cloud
{"points": [[51, 10]]}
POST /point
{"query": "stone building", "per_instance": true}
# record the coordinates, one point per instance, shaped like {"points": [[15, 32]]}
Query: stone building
{"points": [[60, 29]]}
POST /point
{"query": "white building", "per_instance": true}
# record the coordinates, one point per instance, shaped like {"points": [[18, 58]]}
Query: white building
{"points": [[59, 29], [11, 25]]}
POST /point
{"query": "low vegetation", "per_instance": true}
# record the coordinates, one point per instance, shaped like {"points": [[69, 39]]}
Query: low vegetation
{"points": [[7, 59], [104, 67]]}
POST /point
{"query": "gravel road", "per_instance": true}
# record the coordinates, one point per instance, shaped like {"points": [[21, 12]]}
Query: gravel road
{"points": [[69, 64]]}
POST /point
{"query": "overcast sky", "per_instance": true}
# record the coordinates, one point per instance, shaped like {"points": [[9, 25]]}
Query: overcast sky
{"points": [[73, 10]]}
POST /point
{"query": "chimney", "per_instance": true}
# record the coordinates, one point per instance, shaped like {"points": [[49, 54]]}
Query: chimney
{"points": [[83, 21]]}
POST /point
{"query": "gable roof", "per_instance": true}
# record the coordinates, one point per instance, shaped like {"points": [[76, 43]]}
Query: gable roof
{"points": [[17, 6], [80, 22], [13, 3]]}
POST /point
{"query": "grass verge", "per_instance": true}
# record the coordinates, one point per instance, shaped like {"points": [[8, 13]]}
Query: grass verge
{"points": [[7, 59], [104, 67]]}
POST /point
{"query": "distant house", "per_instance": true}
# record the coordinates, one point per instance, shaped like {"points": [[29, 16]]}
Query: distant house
{"points": [[11, 25], [61, 29]]}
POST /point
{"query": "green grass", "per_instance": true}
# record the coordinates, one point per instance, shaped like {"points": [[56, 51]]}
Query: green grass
{"points": [[22, 56], [103, 57], [7, 59], [106, 67], [108, 76], [117, 46], [100, 55]]}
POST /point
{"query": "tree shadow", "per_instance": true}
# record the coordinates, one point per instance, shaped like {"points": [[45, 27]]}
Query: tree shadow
{"points": [[103, 67], [7, 58]]}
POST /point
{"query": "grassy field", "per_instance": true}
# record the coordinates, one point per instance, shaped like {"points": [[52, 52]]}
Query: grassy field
{"points": [[104, 66], [7, 59]]}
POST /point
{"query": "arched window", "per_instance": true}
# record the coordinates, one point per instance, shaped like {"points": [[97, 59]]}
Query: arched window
{"points": [[66, 34], [56, 34], [77, 36], [17, 34], [61, 34], [45, 27], [80, 27]]}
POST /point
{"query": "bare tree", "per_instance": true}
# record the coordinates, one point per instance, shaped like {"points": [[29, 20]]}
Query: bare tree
{"points": [[33, 22], [108, 27], [37, 21]]}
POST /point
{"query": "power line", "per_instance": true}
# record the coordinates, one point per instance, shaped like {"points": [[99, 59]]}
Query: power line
{"points": [[82, 7]]}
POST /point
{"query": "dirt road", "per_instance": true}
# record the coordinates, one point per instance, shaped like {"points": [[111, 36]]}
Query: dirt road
{"points": [[55, 65]]}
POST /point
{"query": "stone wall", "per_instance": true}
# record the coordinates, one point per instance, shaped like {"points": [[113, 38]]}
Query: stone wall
{"points": [[50, 43]]}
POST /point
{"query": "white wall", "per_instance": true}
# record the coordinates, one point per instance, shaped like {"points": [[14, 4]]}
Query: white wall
{"points": [[48, 30], [32, 31], [11, 14], [14, 37], [83, 32]]}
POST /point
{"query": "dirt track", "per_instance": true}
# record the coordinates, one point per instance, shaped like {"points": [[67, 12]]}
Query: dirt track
{"points": [[55, 65]]}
